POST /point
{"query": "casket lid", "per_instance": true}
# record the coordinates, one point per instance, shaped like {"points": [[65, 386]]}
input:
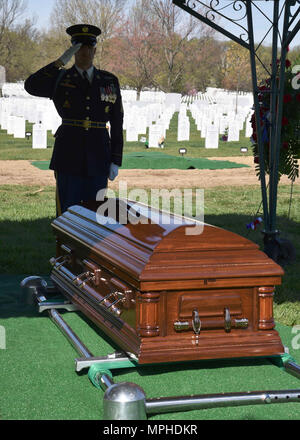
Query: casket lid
{"points": [[162, 246]]}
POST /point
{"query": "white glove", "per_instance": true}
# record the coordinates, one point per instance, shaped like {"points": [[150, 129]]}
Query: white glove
{"points": [[67, 55], [113, 171]]}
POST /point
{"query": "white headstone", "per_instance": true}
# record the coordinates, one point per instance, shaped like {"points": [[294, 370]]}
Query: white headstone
{"points": [[39, 136], [183, 133], [10, 124], [4, 117], [233, 131], [248, 127], [212, 137], [173, 99], [131, 132], [19, 127], [223, 125], [156, 131]]}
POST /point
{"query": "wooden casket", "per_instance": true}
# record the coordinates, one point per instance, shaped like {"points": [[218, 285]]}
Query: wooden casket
{"points": [[164, 291]]}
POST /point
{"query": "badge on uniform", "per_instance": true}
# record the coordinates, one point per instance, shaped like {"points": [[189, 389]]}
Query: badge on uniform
{"points": [[67, 104], [108, 93]]}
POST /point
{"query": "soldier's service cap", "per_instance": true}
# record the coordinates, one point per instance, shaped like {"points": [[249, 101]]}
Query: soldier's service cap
{"points": [[84, 33]]}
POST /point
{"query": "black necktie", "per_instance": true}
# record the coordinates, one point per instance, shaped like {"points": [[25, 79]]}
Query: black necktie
{"points": [[86, 78]]}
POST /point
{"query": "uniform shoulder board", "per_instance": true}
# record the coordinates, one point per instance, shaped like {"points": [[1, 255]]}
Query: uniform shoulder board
{"points": [[108, 75]]}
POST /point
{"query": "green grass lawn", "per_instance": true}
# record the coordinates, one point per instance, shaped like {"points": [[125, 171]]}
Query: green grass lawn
{"points": [[44, 385], [27, 242], [20, 149]]}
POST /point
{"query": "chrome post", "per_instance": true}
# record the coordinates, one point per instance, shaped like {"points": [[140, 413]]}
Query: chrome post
{"points": [[70, 335], [124, 401], [188, 403], [292, 368]]}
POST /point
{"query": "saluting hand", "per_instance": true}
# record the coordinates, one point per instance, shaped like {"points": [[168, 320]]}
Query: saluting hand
{"points": [[67, 55]]}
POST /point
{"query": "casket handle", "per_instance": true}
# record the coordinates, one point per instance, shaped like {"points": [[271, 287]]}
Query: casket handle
{"points": [[196, 322], [66, 249], [227, 320], [82, 278], [113, 307], [95, 271], [59, 261], [120, 285]]}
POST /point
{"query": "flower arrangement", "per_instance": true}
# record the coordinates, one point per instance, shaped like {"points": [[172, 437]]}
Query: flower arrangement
{"points": [[290, 132], [225, 135]]}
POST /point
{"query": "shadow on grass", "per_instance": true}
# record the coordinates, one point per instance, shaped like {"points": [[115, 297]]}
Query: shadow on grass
{"points": [[27, 246]]}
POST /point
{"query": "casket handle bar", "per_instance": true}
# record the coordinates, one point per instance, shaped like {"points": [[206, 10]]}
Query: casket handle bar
{"points": [[59, 261], [227, 320], [127, 401], [95, 272], [197, 324], [81, 280]]}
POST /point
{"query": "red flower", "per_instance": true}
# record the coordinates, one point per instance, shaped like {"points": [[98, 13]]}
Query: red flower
{"points": [[285, 121], [287, 63], [263, 88], [254, 136], [287, 98], [256, 159], [285, 145]]}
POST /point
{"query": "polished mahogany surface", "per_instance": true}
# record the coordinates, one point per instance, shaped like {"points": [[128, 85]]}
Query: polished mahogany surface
{"points": [[162, 291]]}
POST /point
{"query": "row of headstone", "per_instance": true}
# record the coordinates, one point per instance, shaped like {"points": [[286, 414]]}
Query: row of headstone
{"points": [[140, 116], [221, 117], [216, 112]]}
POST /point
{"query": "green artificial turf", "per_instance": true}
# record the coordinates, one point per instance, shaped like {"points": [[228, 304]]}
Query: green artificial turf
{"points": [[38, 380], [158, 161]]}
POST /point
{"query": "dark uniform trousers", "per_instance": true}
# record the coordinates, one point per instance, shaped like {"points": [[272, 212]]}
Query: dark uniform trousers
{"points": [[84, 148]]}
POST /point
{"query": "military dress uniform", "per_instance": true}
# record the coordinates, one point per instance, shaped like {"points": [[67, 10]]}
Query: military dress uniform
{"points": [[83, 146]]}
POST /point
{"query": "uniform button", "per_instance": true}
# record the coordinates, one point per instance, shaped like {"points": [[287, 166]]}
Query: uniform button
{"points": [[87, 118], [87, 108], [88, 98]]}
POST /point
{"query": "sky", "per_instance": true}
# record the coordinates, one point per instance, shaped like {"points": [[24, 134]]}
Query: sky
{"points": [[41, 9]]}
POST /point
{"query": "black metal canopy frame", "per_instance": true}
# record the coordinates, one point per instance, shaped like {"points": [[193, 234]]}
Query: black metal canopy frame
{"points": [[284, 25]]}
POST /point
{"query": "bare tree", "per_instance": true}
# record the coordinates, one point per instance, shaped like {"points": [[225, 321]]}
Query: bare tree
{"points": [[10, 12], [106, 14], [17, 39], [175, 30], [138, 40]]}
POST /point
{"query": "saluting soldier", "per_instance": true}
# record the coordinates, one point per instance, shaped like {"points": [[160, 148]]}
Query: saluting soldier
{"points": [[85, 154]]}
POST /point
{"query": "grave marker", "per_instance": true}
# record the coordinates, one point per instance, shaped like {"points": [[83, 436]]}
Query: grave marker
{"points": [[39, 136]]}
